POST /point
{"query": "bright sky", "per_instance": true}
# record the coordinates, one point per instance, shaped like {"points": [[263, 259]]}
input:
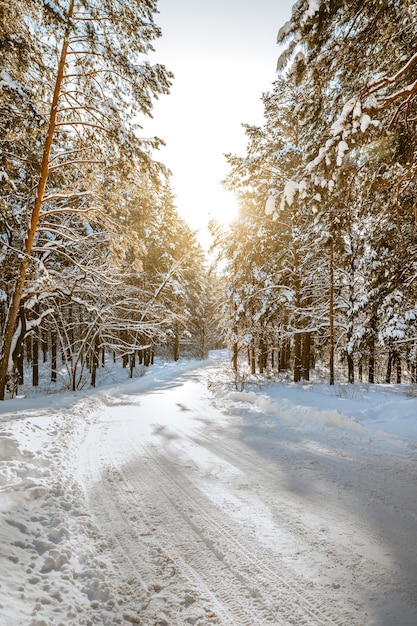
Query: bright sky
{"points": [[223, 54]]}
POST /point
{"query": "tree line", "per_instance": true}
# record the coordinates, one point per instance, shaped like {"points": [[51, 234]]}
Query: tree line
{"points": [[321, 263], [94, 257]]}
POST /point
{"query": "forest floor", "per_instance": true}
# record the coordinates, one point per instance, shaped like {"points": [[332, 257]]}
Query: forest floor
{"points": [[172, 499]]}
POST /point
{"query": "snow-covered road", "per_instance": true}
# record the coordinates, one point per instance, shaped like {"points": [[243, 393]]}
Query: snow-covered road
{"points": [[187, 503]]}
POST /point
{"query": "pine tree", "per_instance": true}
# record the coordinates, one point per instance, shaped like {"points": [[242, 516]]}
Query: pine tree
{"points": [[90, 81]]}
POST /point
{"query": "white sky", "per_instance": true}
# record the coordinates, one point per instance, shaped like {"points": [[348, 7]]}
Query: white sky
{"points": [[223, 54]]}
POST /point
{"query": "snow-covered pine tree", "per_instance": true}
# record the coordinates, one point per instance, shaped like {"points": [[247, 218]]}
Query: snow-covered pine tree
{"points": [[355, 59], [266, 179], [89, 82]]}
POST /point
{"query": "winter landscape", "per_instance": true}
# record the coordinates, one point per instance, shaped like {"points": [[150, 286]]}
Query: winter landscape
{"points": [[174, 499], [208, 313]]}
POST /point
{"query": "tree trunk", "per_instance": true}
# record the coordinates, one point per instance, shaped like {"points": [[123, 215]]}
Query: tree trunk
{"points": [[399, 369], [19, 349], [305, 356], [371, 364], [411, 367], [35, 359], [40, 193], [234, 359], [132, 364], [53, 357], [284, 355], [94, 362], [297, 357], [261, 357], [389, 368], [176, 342], [44, 342], [252, 359], [351, 369], [331, 315]]}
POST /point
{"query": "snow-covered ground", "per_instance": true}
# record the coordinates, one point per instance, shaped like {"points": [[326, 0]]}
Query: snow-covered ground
{"points": [[174, 500]]}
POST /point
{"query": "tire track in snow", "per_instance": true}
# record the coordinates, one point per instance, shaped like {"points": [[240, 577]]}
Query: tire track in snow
{"points": [[263, 575], [160, 528], [125, 508], [350, 516], [335, 521]]}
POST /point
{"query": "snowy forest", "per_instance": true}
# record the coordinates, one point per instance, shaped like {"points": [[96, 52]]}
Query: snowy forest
{"points": [[95, 260], [219, 434], [317, 271], [322, 260]]}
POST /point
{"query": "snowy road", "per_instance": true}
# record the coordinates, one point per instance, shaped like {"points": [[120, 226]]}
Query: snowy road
{"points": [[213, 520], [172, 500]]}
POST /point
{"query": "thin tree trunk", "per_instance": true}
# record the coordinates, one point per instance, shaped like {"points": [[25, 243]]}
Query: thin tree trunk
{"points": [[35, 359], [305, 356], [331, 315], [132, 364], [252, 358], [371, 364], [176, 342], [389, 368], [399, 369], [53, 357], [234, 359], [351, 369], [411, 367], [261, 357], [94, 362], [297, 357], [284, 355], [40, 193], [19, 350], [44, 342]]}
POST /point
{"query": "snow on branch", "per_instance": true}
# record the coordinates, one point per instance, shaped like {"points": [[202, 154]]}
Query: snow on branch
{"points": [[284, 31], [6, 81], [356, 115], [291, 187], [312, 8], [354, 118]]}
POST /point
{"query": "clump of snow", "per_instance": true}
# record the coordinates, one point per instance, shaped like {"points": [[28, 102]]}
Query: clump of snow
{"points": [[270, 204], [342, 147], [284, 30], [290, 189], [312, 8], [6, 81]]}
